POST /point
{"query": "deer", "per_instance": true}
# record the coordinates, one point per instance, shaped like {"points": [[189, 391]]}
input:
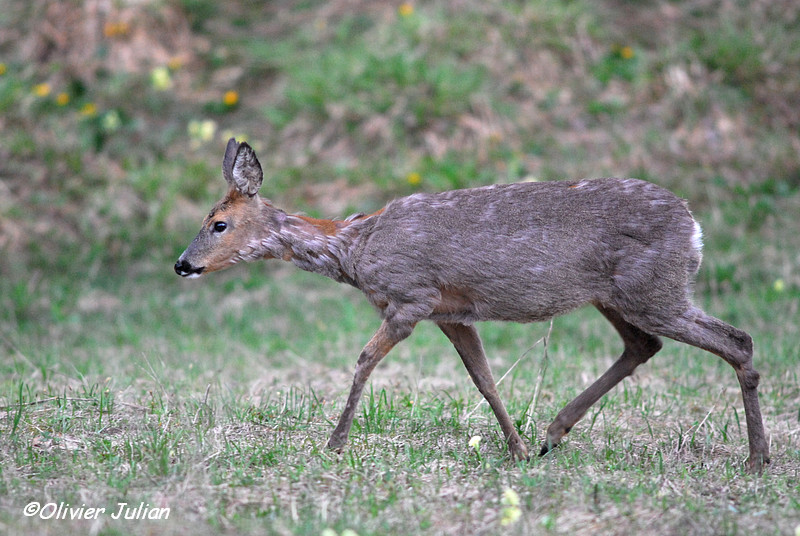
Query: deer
{"points": [[522, 252]]}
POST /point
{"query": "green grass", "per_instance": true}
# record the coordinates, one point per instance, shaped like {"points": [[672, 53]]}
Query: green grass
{"points": [[214, 398], [223, 418]]}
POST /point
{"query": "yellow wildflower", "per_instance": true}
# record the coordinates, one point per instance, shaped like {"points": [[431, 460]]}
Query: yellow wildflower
{"points": [[114, 29], [414, 178], [406, 9], [175, 63], [41, 90], [779, 285], [231, 98], [626, 53], [89, 109], [3, 69], [62, 99]]}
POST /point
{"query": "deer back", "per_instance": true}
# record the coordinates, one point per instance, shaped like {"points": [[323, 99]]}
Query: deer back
{"points": [[527, 251]]}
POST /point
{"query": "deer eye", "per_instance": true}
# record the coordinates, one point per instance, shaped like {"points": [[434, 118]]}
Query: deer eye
{"points": [[220, 226]]}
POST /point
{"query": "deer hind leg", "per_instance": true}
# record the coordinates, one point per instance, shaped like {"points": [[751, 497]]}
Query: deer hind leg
{"points": [[639, 347], [736, 347], [468, 345], [387, 336]]}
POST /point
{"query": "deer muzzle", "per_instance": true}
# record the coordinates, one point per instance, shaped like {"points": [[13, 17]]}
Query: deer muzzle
{"points": [[184, 269]]}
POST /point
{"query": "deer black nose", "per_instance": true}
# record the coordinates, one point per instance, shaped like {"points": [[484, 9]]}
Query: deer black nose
{"points": [[184, 269]]}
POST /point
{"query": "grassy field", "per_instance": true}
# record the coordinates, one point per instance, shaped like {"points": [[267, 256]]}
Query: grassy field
{"points": [[122, 383]]}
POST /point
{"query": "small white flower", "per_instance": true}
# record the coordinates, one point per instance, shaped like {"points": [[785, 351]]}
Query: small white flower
{"points": [[512, 512], [510, 497], [161, 78], [475, 442], [111, 121], [509, 515], [201, 132]]}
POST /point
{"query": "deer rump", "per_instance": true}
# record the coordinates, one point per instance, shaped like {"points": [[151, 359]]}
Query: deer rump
{"points": [[526, 252]]}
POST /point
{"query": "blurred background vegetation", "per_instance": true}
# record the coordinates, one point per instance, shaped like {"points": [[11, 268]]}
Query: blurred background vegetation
{"points": [[114, 116]]}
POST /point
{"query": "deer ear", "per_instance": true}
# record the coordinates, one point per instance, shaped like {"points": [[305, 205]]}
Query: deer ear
{"points": [[241, 168], [227, 161]]}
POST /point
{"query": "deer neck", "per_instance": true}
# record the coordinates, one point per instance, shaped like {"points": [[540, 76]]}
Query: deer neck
{"points": [[320, 246]]}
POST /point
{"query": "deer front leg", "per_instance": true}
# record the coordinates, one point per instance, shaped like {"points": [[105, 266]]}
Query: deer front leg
{"points": [[376, 349], [468, 345]]}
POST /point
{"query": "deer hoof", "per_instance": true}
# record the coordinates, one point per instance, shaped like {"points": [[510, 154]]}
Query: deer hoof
{"points": [[336, 445], [518, 451], [756, 463], [547, 446]]}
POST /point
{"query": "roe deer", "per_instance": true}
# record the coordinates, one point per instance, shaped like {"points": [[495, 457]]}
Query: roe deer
{"points": [[518, 252]]}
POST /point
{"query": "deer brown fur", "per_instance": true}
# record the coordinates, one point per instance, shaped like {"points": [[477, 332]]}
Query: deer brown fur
{"points": [[518, 252]]}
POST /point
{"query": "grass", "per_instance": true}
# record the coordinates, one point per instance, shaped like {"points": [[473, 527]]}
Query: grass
{"points": [[223, 419], [215, 399]]}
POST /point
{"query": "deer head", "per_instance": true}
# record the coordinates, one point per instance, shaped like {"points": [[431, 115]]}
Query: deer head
{"points": [[234, 229]]}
